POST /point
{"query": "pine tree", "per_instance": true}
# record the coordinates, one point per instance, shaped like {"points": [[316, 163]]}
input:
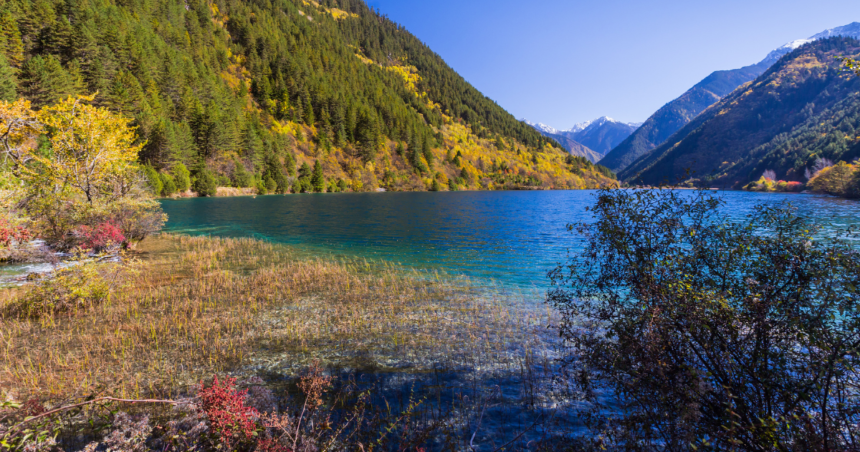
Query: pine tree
{"points": [[8, 81], [317, 179], [10, 36], [182, 177], [45, 81]]}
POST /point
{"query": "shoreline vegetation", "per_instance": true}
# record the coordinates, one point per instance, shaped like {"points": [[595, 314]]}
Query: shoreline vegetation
{"points": [[177, 310]]}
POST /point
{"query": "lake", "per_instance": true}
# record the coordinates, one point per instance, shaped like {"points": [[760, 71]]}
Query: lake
{"points": [[511, 238], [501, 239]]}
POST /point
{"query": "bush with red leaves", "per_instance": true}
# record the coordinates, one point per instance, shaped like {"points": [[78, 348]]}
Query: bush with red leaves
{"points": [[9, 233], [230, 420], [101, 236]]}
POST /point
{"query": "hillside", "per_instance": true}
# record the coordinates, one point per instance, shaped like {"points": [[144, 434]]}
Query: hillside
{"points": [[802, 109], [676, 114], [251, 90]]}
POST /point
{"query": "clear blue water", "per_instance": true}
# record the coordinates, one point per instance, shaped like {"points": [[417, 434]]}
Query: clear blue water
{"points": [[511, 238], [503, 238]]}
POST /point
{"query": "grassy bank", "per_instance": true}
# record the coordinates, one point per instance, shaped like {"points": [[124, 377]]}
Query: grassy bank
{"points": [[180, 309]]}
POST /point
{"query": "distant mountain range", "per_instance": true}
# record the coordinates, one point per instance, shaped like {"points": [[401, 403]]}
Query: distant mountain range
{"points": [[590, 139], [804, 108], [678, 113]]}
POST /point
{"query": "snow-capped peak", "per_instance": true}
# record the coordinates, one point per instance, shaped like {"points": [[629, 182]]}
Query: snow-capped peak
{"points": [[600, 122], [851, 30], [541, 127]]}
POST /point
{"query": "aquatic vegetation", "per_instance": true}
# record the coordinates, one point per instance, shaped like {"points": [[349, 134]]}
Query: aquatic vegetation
{"points": [[196, 307]]}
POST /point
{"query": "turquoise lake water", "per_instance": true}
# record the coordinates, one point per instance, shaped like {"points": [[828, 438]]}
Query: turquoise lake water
{"points": [[510, 238], [505, 239]]}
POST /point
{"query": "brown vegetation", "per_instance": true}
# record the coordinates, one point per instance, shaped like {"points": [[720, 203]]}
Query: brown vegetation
{"points": [[185, 308]]}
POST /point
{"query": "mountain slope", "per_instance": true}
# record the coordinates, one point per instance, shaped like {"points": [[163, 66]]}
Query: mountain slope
{"points": [[591, 139], [266, 86], [603, 134], [674, 115], [574, 147], [803, 108]]}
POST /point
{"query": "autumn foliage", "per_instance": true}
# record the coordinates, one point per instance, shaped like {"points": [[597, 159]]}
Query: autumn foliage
{"points": [[101, 236], [231, 422], [82, 181]]}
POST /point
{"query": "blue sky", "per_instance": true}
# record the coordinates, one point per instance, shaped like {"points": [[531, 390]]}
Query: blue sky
{"points": [[563, 62]]}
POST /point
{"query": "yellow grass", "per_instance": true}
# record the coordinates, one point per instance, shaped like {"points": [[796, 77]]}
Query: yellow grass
{"points": [[198, 306]]}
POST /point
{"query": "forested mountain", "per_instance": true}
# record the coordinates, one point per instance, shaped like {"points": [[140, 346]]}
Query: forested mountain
{"points": [[251, 90], [803, 109], [676, 114]]}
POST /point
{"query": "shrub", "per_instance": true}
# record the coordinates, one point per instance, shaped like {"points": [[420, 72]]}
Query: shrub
{"points": [[230, 421], [100, 237], [711, 333], [66, 292], [12, 234], [137, 218]]}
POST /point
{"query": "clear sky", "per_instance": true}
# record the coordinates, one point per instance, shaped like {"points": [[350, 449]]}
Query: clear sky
{"points": [[561, 62]]}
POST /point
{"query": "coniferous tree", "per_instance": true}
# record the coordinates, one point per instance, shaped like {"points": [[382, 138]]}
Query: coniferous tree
{"points": [[317, 178], [10, 38], [182, 177], [8, 81], [44, 80]]}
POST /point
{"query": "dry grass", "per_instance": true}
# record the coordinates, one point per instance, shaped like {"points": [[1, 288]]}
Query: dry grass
{"points": [[198, 306]]}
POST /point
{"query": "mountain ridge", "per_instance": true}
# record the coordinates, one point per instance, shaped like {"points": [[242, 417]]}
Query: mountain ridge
{"points": [[598, 136], [677, 113], [804, 108]]}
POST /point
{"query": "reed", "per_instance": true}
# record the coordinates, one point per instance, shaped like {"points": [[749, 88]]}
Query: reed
{"points": [[191, 307]]}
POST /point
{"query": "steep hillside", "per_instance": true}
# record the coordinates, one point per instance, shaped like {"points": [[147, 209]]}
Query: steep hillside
{"points": [[804, 108], [250, 90], [676, 114]]}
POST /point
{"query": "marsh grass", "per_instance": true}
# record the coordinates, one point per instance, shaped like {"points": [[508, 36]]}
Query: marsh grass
{"points": [[194, 307]]}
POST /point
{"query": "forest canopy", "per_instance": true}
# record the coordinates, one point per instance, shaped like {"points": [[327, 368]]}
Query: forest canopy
{"points": [[242, 92]]}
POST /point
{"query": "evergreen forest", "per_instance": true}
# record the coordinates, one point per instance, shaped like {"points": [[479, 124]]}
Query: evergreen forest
{"points": [[254, 93]]}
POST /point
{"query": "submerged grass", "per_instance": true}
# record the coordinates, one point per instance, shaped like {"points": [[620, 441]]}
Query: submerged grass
{"points": [[191, 307]]}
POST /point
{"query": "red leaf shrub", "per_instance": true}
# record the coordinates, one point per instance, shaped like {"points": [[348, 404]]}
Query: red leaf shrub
{"points": [[228, 416], [794, 186], [9, 233], [101, 236]]}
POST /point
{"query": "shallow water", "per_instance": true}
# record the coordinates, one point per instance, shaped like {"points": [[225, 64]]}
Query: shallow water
{"points": [[512, 237], [507, 240]]}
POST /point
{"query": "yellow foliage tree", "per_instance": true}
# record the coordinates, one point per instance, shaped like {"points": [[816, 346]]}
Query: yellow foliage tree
{"points": [[86, 175], [835, 180], [18, 128], [93, 149]]}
